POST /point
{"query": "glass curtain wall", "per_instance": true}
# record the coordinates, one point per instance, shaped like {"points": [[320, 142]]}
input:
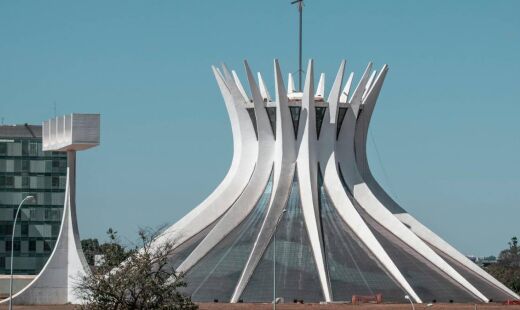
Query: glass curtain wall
{"points": [[26, 170], [484, 286], [216, 275], [296, 273], [429, 282], [353, 270]]}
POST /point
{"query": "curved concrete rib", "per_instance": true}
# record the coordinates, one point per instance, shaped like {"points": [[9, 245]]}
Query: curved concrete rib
{"points": [[285, 145], [307, 164], [245, 149], [240, 87], [263, 88], [419, 229], [290, 84], [320, 90], [346, 91], [361, 137], [367, 200], [369, 84], [254, 189], [331, 116], [66, 265], [355, 101], [426, 234], [336, 192], [284, 168]]}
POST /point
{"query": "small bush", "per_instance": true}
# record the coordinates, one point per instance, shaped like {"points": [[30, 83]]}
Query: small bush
{"points": [[140, 278]]}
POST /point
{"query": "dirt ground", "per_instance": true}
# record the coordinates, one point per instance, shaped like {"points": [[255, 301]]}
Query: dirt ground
{"points": [[225, 306], [214, 306]]}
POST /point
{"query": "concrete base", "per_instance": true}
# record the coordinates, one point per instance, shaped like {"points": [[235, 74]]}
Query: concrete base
{"points": [[19, 282]]}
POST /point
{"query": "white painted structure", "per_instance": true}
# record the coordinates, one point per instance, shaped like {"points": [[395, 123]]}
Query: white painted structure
{"points": [[308, 136], [300, 172], [66, 264]]}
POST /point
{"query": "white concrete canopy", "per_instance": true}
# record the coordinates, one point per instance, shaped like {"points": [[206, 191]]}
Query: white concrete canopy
{"points": [[71, 132]]}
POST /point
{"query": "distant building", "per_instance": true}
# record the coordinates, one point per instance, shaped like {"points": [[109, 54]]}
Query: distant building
{"points": [[26, 170], [55, 283], [482, 261], [99, 259]]}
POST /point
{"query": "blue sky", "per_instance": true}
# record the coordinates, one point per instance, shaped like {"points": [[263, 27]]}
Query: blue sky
{"points": [[445, 128]]}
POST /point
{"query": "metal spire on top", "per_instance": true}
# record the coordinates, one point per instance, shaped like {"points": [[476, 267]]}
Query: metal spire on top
{"points": [[300, 71]]}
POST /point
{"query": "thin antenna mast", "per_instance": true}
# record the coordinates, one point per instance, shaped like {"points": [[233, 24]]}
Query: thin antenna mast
{"points": [[300, 71]]}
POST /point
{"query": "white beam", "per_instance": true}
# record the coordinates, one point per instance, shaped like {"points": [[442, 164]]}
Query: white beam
{"points": [[263, 88], [240, 87], [307, 166], [284, 166], [290, 87], [336, 192], [320, 90], [371, 204], [245, 204], [245, 149], [346, 91]]}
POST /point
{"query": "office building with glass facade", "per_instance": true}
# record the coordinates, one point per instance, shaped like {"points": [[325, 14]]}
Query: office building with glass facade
{"points": [[26, 170], [299, 215], [61, 138]]}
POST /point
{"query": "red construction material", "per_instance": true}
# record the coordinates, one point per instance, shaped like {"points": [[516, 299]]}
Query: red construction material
{"points": [[375, 299], [512, 302]]}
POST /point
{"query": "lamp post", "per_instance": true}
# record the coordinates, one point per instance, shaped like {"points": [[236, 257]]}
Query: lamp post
{"points": [[12, 250], [274, 258], [410, 300]]}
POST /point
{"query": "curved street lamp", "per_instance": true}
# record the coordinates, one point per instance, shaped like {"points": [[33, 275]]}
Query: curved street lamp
{"points": [[12, 250], [410, 300], [274, 257]]}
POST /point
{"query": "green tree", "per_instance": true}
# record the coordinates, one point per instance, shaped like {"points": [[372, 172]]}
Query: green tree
{"points": [[138, 278], [507, 268], [90, 249]]}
